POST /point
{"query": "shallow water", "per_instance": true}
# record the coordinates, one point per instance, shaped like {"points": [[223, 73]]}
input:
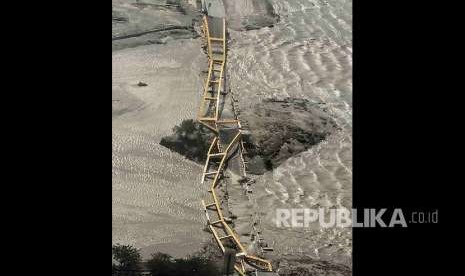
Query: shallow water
{"points": [[307, 54]]}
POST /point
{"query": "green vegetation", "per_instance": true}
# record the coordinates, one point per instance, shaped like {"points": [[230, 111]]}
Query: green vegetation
{"points": [[127, 258], [164, 265], [130, 263], [190, 139]]}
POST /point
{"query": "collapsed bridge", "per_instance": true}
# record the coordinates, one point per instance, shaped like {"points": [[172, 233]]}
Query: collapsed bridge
{"points": [[226, 149]]}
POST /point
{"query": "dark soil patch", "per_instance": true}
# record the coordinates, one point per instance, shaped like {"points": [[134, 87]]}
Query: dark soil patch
{"points": [[306, 266], [281, 129]]}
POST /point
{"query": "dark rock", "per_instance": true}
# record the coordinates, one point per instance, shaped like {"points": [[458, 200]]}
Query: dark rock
{"points": [[142, 84]]}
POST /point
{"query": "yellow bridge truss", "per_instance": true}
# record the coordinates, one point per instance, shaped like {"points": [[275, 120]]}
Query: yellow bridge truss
{"points": [[227, 142]]}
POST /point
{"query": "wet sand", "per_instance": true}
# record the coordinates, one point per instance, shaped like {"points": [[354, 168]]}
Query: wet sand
{"points": [[136, 23], [156, 192]]}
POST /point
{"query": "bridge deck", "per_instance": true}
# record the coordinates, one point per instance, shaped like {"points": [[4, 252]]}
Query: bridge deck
{"points": [[225, 147]]}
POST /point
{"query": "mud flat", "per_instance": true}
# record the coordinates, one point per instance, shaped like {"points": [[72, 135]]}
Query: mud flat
{"points": [[156, 192], [136, 23]]}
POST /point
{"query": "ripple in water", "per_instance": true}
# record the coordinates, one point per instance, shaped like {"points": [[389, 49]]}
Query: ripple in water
{"points": [[307, 54]]}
